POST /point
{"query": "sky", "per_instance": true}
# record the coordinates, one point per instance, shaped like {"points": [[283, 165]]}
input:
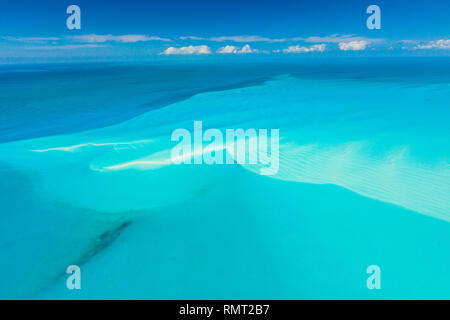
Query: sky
{"points": [[133, 30]]}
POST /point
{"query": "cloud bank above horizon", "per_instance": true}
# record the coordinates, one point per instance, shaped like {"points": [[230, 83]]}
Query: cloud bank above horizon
{"points": [[154, 45]]}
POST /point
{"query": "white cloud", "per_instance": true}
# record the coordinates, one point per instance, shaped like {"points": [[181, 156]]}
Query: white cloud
{"points": [[234, 39], [437, 44], [191, 38], [187, 50], [353, 45], [66, 47], [126, 38], [409, 41], [31, 39], [299, 49], [236, 50], [247, 49], [228, 49], [245, 39], [90, 38], [336, 38]]}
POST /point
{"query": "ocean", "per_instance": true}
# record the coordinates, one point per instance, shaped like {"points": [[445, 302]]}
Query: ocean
{"points": [[363, 179]]}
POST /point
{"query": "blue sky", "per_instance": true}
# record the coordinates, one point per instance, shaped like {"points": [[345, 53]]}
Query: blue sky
{"points": [[145, 30]]}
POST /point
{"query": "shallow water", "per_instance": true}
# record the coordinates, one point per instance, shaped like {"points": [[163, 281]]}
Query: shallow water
{"points": [[363, 179]]}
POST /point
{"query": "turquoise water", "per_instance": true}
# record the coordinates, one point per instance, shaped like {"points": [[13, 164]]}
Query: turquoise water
{"points": [[363, 179]]}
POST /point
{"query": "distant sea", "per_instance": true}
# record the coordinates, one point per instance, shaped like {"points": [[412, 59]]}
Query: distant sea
{"points": [[363, 179]]}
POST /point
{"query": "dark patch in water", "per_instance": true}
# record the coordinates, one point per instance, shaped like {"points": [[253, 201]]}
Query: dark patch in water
{"points": [[103, 241]]}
